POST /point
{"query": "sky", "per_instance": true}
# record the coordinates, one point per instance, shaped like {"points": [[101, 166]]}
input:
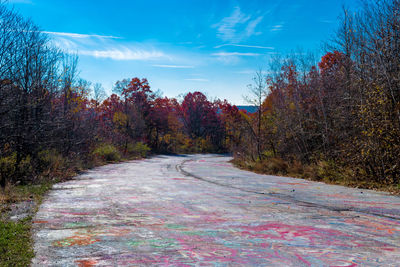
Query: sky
{"points": [[212, 46]]}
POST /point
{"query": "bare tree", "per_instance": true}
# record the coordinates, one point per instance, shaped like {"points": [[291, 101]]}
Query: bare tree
{"points": [[256, 97], [99, 93]]}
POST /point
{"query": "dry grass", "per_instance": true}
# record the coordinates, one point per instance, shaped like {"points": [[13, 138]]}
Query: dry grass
{"points": [[323, 171]]}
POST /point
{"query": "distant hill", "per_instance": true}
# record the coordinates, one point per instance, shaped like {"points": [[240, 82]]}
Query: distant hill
{"points": [[248, 109]]}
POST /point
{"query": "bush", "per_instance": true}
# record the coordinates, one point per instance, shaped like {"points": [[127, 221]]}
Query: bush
{"points": [[140, 149], [272, 166], [7, 169], [24, 169], [107, 152], [12, 173], [49, 161], [268, 154], [296, 168], [204, 145], [328, 171]]}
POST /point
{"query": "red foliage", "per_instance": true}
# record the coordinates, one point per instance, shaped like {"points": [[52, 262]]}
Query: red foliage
{"points": [[331, 62]]}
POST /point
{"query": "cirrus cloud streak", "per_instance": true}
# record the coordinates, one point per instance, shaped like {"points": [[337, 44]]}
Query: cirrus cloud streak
{"points": [[235, 54], [174, 66], [123, 54], [80, 35]]}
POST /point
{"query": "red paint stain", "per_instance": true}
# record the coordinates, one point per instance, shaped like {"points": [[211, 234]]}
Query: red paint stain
{"points": [[374, 226], [77, 240], [76, 213], [278, 231], [86, 263], [40, 222], [303, 260]]}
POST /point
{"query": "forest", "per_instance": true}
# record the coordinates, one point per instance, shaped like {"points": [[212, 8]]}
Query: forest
{"points": [[335, 118]]}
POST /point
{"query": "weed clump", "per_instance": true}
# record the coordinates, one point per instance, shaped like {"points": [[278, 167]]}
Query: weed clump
{"points": [[108, 153]]}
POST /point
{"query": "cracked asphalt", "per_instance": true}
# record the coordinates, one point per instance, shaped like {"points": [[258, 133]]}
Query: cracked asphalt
{"points": [[199, 210]]}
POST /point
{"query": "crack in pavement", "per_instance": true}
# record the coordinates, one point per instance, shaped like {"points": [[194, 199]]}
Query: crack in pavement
{"points": [[181, 211], [281, 196]]}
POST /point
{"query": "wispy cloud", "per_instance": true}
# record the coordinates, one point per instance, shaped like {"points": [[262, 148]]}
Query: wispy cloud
{"points": [[276, 28], [123, 54], [79, 35], [247, 46], [197, 80], [237, 26], [235, 54], [107, 47], [233, 58], [174, 66], [251, 27]]}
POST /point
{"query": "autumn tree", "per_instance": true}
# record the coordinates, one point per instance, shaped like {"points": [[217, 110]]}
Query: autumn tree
{"points": [[258, 92], [200, 118]]}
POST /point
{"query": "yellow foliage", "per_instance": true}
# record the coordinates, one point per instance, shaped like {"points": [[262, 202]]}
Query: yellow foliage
{"points": [[120, 118]]}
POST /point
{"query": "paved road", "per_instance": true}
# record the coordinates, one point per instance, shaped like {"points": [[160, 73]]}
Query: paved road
{"points": [[200, 211]]}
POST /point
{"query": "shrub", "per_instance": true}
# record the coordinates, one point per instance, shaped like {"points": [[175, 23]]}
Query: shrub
{"points": [[273, 166], [296, 168], [7, 169], [310, 172], [328, 171], [50, 161], [25, 169], [107, 152], [140, 149], [204, 145], [268, 154]]}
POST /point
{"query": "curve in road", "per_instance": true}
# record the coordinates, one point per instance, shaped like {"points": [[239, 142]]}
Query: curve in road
{"points": [[199, 210]]}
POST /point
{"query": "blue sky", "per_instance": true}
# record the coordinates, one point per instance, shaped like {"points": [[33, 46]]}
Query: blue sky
{"points": [[186, 45]]}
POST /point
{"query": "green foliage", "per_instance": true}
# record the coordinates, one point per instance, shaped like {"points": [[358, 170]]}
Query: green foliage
{"points": [[205, 145], [25, 169], [50, 161], [36, 192], [108, 153], [140, 149], [268, 154], [15, 237], [15, 243], [7, 168], [328, 171], [11, 171]]}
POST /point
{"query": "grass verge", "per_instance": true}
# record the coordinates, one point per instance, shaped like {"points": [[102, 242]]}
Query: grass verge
{"points": [[322, 171], [15, 243]]}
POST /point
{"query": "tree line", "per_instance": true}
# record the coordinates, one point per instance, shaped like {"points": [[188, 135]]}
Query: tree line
{"points": [[336, 118], [341, 114], [51, 119]]}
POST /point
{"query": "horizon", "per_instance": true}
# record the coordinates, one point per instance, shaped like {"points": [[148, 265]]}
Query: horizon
{"points": [[207, 46]]}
